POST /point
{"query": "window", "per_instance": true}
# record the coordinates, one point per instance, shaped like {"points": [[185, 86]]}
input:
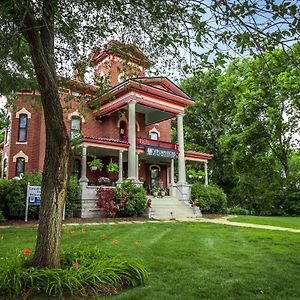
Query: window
{"points": [[5, 168], [7, 133], [76, 168], [75, 128], [154, 135], [154, 177], [123, 130], [23, 122], [20, 167]]}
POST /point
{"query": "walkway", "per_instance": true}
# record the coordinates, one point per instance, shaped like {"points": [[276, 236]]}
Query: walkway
{"points": [[225, 221]]}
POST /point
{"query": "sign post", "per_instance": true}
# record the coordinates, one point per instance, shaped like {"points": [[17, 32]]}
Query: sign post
{"points": [[33, 197]]}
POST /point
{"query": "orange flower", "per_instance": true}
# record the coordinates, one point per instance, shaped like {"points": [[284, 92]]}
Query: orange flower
{"points": [[76, 264], [26, 251], [103, 236], [116, 242]]}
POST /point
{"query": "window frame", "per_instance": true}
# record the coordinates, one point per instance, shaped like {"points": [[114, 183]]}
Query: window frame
{"points": [[74, 132], [22, 129], [18, 173]]}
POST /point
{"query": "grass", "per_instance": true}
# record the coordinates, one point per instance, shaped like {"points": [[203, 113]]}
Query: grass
{"points": [[190, 260], [289, 222]]}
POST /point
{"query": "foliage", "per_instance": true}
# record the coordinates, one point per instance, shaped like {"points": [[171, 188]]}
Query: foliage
{"points": [[209, 198], [248, 117], [72, 196], [127, 200], [112, 167], [2, 218], [237, 210], [13, 195], [84, 272], [194, 175], [97, 163]]}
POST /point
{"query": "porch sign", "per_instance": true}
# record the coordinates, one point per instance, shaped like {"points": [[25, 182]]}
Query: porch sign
{"points": [[33, 197], [160, 152]]}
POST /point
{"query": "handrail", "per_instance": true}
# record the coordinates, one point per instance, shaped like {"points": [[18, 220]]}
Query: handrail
{"points": [[156, 143]]}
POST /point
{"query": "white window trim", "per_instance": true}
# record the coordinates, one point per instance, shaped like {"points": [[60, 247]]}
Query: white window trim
{"points": [[138, 128], [155, 166], [76, 113], [20, 154], [23, 111], [154, 130]]}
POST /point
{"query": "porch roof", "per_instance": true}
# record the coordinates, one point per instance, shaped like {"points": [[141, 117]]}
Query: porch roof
{"points": [[197, 156]]}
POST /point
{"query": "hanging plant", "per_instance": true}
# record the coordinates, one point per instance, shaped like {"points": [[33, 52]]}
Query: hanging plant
{"points": [[96, 164], [112, 167]]}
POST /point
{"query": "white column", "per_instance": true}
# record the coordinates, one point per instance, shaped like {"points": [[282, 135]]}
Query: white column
{"points": [[181, 160], [132, 141], [206, 173], [137, 167], [172, 171], [120, 180], [83, 178]]}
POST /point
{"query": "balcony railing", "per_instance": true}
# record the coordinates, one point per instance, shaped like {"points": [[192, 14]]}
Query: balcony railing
{"points": [[155, 143]]}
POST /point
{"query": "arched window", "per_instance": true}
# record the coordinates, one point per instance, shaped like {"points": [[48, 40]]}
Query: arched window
{"points": [[23, 123], [75, 127], [20, 167], [154, 135], [123, 130], [5, 168]]}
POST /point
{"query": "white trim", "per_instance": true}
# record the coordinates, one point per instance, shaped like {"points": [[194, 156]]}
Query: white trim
{"points": [[155, 166], [21, 143], [20, 154], [154, 130], [123, 118], [23, 111], [76, 113]]}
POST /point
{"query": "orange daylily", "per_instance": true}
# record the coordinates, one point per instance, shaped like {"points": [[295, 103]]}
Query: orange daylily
{"points": [[116, 242], [76, 264], [26, 251]]}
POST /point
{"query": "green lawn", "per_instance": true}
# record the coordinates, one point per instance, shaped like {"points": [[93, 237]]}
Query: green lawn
{"points": [[191, 260], [290, 222]]}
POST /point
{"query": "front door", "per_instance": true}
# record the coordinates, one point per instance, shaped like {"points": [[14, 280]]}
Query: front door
{"points": [[154, 177]]}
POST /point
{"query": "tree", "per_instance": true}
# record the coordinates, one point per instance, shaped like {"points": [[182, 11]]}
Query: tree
{"points": [[39, 38], [248, 115]]}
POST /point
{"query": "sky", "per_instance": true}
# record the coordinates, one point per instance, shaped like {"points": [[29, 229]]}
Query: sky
{"points": [[2, 101]]}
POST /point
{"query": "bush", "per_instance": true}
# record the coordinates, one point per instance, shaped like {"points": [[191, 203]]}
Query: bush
{"points": [[2, 218], [13, 196], [88, 272], [209, 198], [126, 201], [237, 210]]}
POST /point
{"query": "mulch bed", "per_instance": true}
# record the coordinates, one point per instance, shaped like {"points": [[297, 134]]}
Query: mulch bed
{"points": [[32, 223]]}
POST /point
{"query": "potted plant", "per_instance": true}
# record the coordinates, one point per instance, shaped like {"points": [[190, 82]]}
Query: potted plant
{"points": [[154, 191], [95, 164], [163, 192], [112, 167]]}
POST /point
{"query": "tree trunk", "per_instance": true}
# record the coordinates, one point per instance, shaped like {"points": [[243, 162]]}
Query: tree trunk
{"points": [[57, 158]]}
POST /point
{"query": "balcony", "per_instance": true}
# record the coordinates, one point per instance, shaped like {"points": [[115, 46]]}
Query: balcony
{"points": [[156, 143]]}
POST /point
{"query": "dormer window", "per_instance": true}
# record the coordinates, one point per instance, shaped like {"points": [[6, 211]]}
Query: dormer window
{"points": [[23, 124], [75, 127], [154, 136]]}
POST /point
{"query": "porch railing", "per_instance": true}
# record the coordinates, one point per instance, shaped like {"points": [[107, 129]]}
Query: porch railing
{"points": [[155, 143]]}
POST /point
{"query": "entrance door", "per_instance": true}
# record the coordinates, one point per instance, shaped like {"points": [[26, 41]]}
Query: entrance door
{"points": [[154, 177]]}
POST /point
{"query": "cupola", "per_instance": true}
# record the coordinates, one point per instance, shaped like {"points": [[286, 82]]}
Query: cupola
{"points": [[117, 62]]}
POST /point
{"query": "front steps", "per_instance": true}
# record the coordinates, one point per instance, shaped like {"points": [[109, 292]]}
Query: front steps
{"points": [[170, 207]]}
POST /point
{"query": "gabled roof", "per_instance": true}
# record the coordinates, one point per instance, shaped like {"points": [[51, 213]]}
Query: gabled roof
{"points": [[163, 83]]}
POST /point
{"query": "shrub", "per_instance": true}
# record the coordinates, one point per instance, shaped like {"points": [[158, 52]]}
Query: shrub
{"points": [[127, 201], [13, 196], [87, 272], [237, 210], [210, 198], [72, 196], [2, 218]]}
